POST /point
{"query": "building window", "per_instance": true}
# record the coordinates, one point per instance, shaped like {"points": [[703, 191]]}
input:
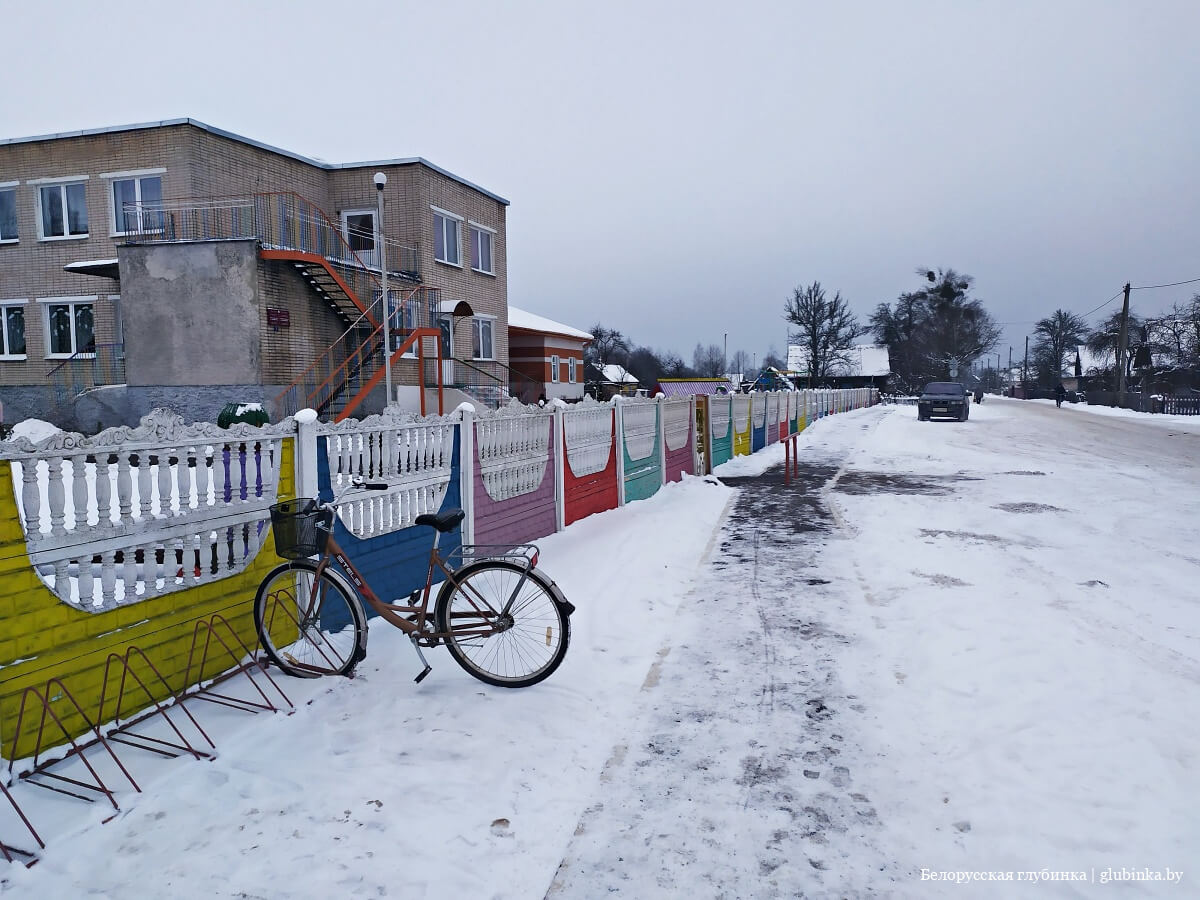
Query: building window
{"points": [[70, 328], [554, 370], [446, 237], [481, 250], [137, 204], [8, 215], [481, 338], [63, 210], [571, 370], [12, 331]]}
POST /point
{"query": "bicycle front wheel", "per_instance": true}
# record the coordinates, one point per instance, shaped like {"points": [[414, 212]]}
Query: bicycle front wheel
{"points": [[309, 625], [507, 644]]}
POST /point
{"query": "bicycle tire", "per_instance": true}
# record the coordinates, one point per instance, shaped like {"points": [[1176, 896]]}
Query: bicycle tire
{"points": [[329, 639], [529, 649]]}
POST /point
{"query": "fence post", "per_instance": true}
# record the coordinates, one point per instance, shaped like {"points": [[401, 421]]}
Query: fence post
{"points": [[619, 446], [662, 439], [466, 473], [305, 457], [560, 457], [696, 448]]}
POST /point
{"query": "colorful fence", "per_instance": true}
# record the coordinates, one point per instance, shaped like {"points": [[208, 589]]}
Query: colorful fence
{"points": [[642, 475], [128, 538], [590, 467], [132, 537]]}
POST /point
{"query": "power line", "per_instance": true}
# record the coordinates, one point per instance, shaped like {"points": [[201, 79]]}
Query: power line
{"points": [[1150, 287], [1105, 303]]}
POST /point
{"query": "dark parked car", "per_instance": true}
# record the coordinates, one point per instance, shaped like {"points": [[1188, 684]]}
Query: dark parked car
{"points": [[944, 399]]}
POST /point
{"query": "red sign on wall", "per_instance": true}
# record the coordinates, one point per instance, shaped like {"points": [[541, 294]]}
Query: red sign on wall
{"points": [[279, 318]]}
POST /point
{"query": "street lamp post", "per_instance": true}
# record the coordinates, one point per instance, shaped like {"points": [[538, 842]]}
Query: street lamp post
{"points": [[380, 181]]}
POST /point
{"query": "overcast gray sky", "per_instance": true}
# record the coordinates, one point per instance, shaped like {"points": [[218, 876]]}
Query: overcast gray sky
{"points": [[675, 169]]}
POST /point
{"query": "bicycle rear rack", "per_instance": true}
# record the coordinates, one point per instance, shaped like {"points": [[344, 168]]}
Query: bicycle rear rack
{"points": [[524, 554]]}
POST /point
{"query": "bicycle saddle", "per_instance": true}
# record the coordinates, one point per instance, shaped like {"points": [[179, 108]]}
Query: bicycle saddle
{"points": [[443, 521]]}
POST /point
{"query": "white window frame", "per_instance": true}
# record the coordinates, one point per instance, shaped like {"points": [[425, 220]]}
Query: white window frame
{"points": [[554, 364], [5, 306], [571, 373], [11, 186], [447, 216], [476, 325], [136, 177], [46, 303], [61, 184], [473, 228]]}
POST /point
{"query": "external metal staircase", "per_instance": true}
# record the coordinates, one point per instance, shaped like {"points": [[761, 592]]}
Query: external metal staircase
{"points": [[292, 230]]}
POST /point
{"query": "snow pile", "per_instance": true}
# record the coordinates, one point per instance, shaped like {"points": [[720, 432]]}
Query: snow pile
{"points": [[34, 430]]}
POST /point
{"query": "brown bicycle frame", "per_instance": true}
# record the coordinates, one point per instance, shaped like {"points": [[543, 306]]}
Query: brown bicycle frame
{"points": [[397, 613]]}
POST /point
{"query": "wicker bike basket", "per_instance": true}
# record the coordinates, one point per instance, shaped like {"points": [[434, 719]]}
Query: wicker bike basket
{"points": [[295, 526]]}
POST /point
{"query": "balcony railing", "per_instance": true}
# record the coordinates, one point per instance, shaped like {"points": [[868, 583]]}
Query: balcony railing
{"points": [[278, 220], [99, 365], [349, 362]]}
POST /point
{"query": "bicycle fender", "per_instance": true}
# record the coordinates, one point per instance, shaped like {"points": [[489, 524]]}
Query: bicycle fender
{"points": [[566, 605]]}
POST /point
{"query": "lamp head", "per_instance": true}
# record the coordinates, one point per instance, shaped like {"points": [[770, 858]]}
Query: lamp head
{"points": [[380, 180]]}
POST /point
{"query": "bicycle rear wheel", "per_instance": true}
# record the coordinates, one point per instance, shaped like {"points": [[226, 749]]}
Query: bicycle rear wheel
{"points": [[514, 649], [309, 625]]}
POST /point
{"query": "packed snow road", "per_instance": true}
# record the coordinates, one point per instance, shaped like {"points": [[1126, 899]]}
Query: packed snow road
{"points": [[963, 648]]}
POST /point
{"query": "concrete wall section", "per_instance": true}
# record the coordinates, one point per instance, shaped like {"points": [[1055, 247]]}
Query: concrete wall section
{"points": [[519, 519], [191, 313]]}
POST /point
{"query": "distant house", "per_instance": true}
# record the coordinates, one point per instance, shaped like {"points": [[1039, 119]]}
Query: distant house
{"points": [[605, 382], [546, 355], [866, 365], [687, 387]]}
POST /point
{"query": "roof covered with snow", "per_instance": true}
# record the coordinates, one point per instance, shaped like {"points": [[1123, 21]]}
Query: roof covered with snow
{"points": [[864, 360], [617, 374], [527, 321]]}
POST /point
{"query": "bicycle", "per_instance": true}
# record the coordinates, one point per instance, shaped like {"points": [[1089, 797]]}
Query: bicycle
{"points": [[500, 617]]}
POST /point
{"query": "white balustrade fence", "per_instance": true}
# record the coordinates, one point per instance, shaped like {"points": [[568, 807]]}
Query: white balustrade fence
{"points": [[588, 427], [719, 416], [640, 419], [134, 513], [741, 413], [677, 423], [412, 454], [513, 446]]}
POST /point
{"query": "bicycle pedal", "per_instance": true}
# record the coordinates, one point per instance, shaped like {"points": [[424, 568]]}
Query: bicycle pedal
{"points": [[424, 672]]}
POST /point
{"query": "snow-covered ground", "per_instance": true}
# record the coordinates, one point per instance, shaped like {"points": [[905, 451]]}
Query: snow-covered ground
{"points": [[958, 647]]}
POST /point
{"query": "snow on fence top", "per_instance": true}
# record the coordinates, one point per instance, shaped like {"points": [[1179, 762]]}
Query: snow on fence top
{"points": [[413, 454], [133, 513]]}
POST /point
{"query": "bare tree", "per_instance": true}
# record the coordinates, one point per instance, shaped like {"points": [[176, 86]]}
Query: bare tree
{"points": [[825, 328], [608, 346], [708, 361], [739, 363]]}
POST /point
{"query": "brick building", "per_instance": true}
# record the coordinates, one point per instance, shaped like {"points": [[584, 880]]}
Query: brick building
{"points": [[174, 263], [549, 353]]}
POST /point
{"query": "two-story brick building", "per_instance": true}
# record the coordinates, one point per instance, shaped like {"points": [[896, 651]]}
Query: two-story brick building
{"points": [[174, 263]]}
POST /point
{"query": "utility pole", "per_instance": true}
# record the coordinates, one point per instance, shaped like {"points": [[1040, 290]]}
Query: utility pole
{"points": [[1025, 372], [1122, 349], [380, 180]]}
